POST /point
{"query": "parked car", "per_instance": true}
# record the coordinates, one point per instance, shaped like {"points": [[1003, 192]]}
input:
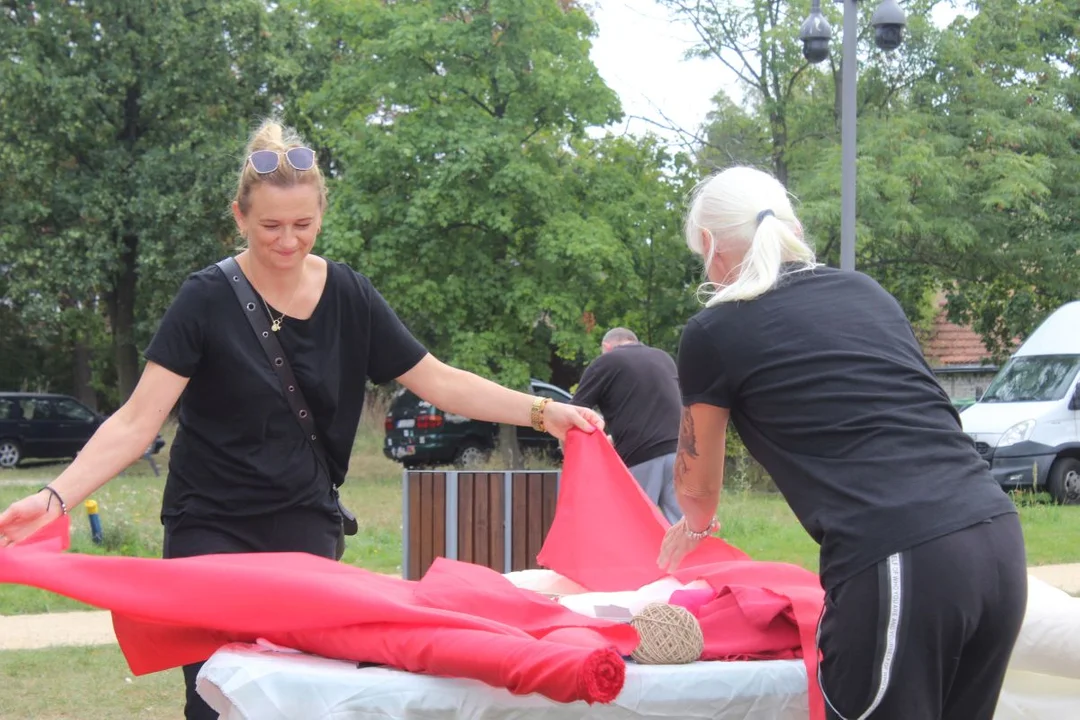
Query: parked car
{"points": [[47, 426], [1027, 423], [419, 434], [962, 404]]}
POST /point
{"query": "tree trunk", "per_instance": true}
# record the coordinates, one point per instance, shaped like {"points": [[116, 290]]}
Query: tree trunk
{"points": [[121, 306], [509, 449], [778, 130], [82, 375]]}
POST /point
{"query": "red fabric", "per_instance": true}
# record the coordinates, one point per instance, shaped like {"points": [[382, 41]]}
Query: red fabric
{"points": [[172, 612], [56, 536], [743, 623], [460, 620], [799, 586], [755, 609], [602, 509]]}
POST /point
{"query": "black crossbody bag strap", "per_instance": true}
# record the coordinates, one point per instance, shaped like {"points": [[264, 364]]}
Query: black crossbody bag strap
{"points": [[260, 324]]}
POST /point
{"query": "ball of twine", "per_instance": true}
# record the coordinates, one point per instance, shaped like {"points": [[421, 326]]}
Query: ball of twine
{"points": [[669, 635]]}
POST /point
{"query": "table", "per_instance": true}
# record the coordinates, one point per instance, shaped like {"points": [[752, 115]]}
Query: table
{"points": [[248, 682]]}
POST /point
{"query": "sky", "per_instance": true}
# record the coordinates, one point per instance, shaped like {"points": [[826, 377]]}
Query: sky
{"points": [[640, 53]]}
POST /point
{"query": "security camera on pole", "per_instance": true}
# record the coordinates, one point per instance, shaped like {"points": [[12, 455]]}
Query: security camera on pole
{"points": [[889, 22]]}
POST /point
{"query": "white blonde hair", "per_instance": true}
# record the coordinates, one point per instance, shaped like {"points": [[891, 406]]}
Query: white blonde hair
{"points": [[746, 211]]}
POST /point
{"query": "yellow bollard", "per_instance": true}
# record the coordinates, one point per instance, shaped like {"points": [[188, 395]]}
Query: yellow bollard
{"points": [[96, 533]]}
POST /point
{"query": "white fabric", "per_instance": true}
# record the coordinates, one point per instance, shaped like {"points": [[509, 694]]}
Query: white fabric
{"points": [[576, 598], [544, 581], [634, 601], [1049, 641], [248, 682], [1031, 696]]}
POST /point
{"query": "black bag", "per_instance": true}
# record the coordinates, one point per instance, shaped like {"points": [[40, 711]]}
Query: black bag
{"points": [[289, 387]]}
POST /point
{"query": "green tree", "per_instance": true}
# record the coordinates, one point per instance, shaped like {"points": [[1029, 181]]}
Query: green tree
{"points": [[638, 189], [467, 187], [1010, 79], [121, 122], [966, 158]]}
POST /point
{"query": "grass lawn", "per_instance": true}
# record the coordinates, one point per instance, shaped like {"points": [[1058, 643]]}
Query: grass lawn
{"points": [[83, 683]]}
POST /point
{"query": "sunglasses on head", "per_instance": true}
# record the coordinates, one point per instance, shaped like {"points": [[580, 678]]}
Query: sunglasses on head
{"points": [[266, 161]]}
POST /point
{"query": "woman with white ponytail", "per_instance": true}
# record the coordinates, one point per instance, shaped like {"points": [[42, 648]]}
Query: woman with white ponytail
{"points": [[746, 234], [922, 555]]}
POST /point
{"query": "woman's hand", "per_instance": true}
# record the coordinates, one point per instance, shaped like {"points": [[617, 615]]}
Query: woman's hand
{"points": [[25, 517], [677, 545], [560, 418]]}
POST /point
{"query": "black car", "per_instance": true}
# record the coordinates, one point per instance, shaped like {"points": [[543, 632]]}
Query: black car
{"points": [[47, 426], [419, 434]]}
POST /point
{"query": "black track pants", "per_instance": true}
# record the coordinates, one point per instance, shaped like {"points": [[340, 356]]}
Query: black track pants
{"points": [[927, 633]]}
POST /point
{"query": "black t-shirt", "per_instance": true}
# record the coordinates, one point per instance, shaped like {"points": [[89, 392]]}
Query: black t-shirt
{"points": [[636, 388], [830, 392], [238, 450]]}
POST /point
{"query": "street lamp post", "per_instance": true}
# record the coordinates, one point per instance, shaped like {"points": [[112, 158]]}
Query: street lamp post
{"points": [[889, 22]]}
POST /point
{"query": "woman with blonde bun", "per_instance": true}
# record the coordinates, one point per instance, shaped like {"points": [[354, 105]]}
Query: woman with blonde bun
{"points": [[253, 469]]}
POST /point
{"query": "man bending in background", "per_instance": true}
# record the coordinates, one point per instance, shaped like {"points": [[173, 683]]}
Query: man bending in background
{"points": [[636, 388]]}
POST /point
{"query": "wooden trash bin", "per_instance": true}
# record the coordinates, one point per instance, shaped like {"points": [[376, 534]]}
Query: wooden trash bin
{"points": [[496, 519]]}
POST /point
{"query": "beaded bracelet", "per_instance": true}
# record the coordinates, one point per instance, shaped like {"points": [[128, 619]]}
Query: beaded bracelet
{"points": [[714, 524]]}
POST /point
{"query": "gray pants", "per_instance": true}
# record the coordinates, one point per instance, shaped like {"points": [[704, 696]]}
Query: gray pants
{"points": [[657, 478]]}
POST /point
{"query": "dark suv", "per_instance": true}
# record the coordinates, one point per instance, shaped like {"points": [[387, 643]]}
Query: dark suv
{"points": [[419, 434], [46, 426]]}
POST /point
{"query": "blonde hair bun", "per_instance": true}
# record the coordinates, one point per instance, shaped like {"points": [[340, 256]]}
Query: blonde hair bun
{"points": [[272, 134]]}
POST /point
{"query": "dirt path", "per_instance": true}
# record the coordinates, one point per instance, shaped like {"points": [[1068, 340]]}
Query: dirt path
{"points": [[32, 632], [21, 482]]}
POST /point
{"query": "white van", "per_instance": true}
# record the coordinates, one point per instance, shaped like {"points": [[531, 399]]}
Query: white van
{"points": [[1027, 423]]}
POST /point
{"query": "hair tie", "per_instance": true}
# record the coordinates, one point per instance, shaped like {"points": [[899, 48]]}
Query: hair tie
{"points": [[764, 214]]}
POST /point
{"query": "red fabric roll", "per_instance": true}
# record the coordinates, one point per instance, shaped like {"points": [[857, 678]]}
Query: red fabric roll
{"points": [[562, 672]]}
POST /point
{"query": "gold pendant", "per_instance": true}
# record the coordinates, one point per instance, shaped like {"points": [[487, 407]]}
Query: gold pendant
{"points": [[276, 325]]}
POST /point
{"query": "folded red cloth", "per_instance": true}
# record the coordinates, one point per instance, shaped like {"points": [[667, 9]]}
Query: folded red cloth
{"points": [[743, 623]]}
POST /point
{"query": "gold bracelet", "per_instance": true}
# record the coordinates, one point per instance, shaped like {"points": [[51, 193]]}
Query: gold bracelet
{"points": [[537, 413]]}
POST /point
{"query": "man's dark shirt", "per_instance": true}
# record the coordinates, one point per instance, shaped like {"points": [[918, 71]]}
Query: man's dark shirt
{"points": [[636, 388]]}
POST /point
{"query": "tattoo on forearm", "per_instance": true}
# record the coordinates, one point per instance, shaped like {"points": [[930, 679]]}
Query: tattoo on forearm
{"points": [[686, 433], [687, 446]]}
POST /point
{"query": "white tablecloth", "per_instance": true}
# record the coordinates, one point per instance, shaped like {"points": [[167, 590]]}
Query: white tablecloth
{"points": [[244, 682]]}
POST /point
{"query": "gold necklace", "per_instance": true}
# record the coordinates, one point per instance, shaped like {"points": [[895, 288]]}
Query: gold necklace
{"points": [[275, 324]]}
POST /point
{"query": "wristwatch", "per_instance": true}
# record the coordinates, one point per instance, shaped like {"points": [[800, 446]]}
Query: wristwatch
{"points": [[714, 525]]}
